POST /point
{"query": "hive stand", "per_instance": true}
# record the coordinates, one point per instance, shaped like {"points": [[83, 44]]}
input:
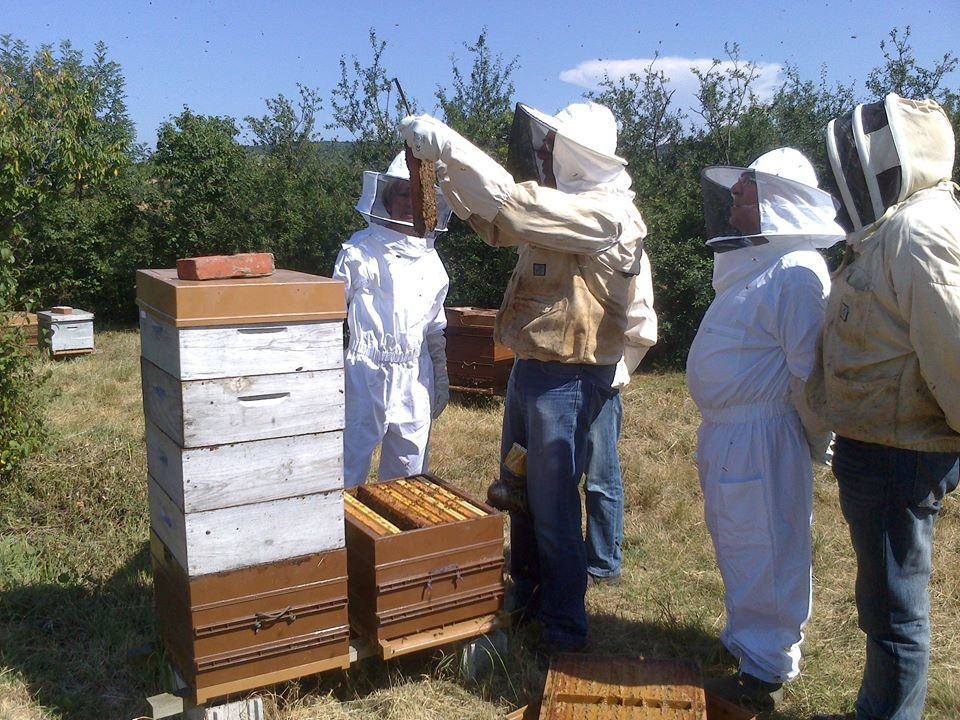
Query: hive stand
{"points": [[477, 631]]}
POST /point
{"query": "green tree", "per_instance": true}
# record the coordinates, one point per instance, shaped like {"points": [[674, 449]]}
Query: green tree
{"points": [[649, 126], [52, 143], [479, 106], [801, 109], [901, 73], [71, 232], [308, 186], [725, 94], [209, 184], [364, 104], [287, 132]]}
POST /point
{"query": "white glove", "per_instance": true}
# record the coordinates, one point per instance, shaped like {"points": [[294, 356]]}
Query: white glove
{"points": [[632, 355], [437, 347], [821, 448], [471, 181], [425, 135], [818, 436]]}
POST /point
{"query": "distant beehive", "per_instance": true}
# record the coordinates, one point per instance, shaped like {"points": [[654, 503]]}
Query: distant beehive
{"points": [[244, 405], [66, 333], [475, 361], [26, 323]]}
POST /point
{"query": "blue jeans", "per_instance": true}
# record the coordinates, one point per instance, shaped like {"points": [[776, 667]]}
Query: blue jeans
{"points": [[549, 409], [890, 499], [604, 491]]}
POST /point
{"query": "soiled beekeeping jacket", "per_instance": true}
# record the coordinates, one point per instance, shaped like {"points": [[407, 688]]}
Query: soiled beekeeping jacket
{"points": [[889, 370], [571, 296]]}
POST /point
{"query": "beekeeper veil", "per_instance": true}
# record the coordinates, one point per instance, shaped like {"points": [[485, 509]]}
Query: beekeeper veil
{"points": [[385, 199], [883, 152], [573, 151], [775, 199]]}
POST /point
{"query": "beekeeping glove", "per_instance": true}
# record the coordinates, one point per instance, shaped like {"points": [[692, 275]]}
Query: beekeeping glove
{"points": [[437, 347], [471, 181], [632, 355]]}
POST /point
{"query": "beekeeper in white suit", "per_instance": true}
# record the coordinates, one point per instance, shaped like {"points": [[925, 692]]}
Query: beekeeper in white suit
{"points": [[395, 363], [745, 370], [567, 314]]}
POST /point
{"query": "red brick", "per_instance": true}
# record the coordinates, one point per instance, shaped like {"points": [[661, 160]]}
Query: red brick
{"points": [[62, 310], [217, 267]]}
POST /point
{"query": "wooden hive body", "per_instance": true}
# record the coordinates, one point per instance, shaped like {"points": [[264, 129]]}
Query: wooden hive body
{"points": [[265, 623], [27, 324], [475, 361], [414, 580]]}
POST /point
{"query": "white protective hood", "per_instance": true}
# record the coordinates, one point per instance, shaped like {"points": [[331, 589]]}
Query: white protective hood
{"points": [[584, 152], [375, 184], [790, 206], [793, 215], [883, 152]]}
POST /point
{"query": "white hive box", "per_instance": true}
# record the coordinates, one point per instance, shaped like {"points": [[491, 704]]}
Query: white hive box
{"points": [[66, 334], [243, 398]]}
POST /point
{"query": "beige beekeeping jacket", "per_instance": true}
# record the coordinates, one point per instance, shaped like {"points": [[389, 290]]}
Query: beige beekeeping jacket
{"points": [[889, 367], [573, 295]]}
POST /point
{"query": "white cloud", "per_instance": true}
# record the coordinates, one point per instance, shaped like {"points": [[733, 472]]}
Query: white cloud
{"points": [[589, 74]]}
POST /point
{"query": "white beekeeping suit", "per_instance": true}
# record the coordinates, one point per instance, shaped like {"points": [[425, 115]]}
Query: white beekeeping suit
{"points": [[756, 341], [395, 363]]}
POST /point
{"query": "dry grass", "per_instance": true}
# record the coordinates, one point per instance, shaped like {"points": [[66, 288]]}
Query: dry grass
{"points": [[75, 581], [15, 700]]}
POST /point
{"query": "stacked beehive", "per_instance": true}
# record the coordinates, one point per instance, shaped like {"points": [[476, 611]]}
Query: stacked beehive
{"points": [[475, 361], [243, 398], [421, 555]]}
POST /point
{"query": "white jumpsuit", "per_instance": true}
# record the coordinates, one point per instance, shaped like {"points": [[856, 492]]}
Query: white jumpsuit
{"points": [[753, 459], [395, 287]]}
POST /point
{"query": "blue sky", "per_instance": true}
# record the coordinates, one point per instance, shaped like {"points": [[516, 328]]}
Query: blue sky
{"points": [[226, 58]]}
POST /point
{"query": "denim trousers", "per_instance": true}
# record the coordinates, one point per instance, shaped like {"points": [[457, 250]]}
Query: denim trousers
{"points": [[890, 498], [549, 409], [604, 491]]}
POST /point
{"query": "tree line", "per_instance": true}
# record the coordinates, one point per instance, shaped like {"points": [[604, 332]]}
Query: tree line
{"points": [[82, 205]]}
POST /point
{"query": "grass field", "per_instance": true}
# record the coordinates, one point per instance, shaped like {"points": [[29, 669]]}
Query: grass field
{"points": [[76, 621]]}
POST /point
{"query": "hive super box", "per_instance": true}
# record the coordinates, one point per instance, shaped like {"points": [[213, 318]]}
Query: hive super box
{"points": [[410, 580]]}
